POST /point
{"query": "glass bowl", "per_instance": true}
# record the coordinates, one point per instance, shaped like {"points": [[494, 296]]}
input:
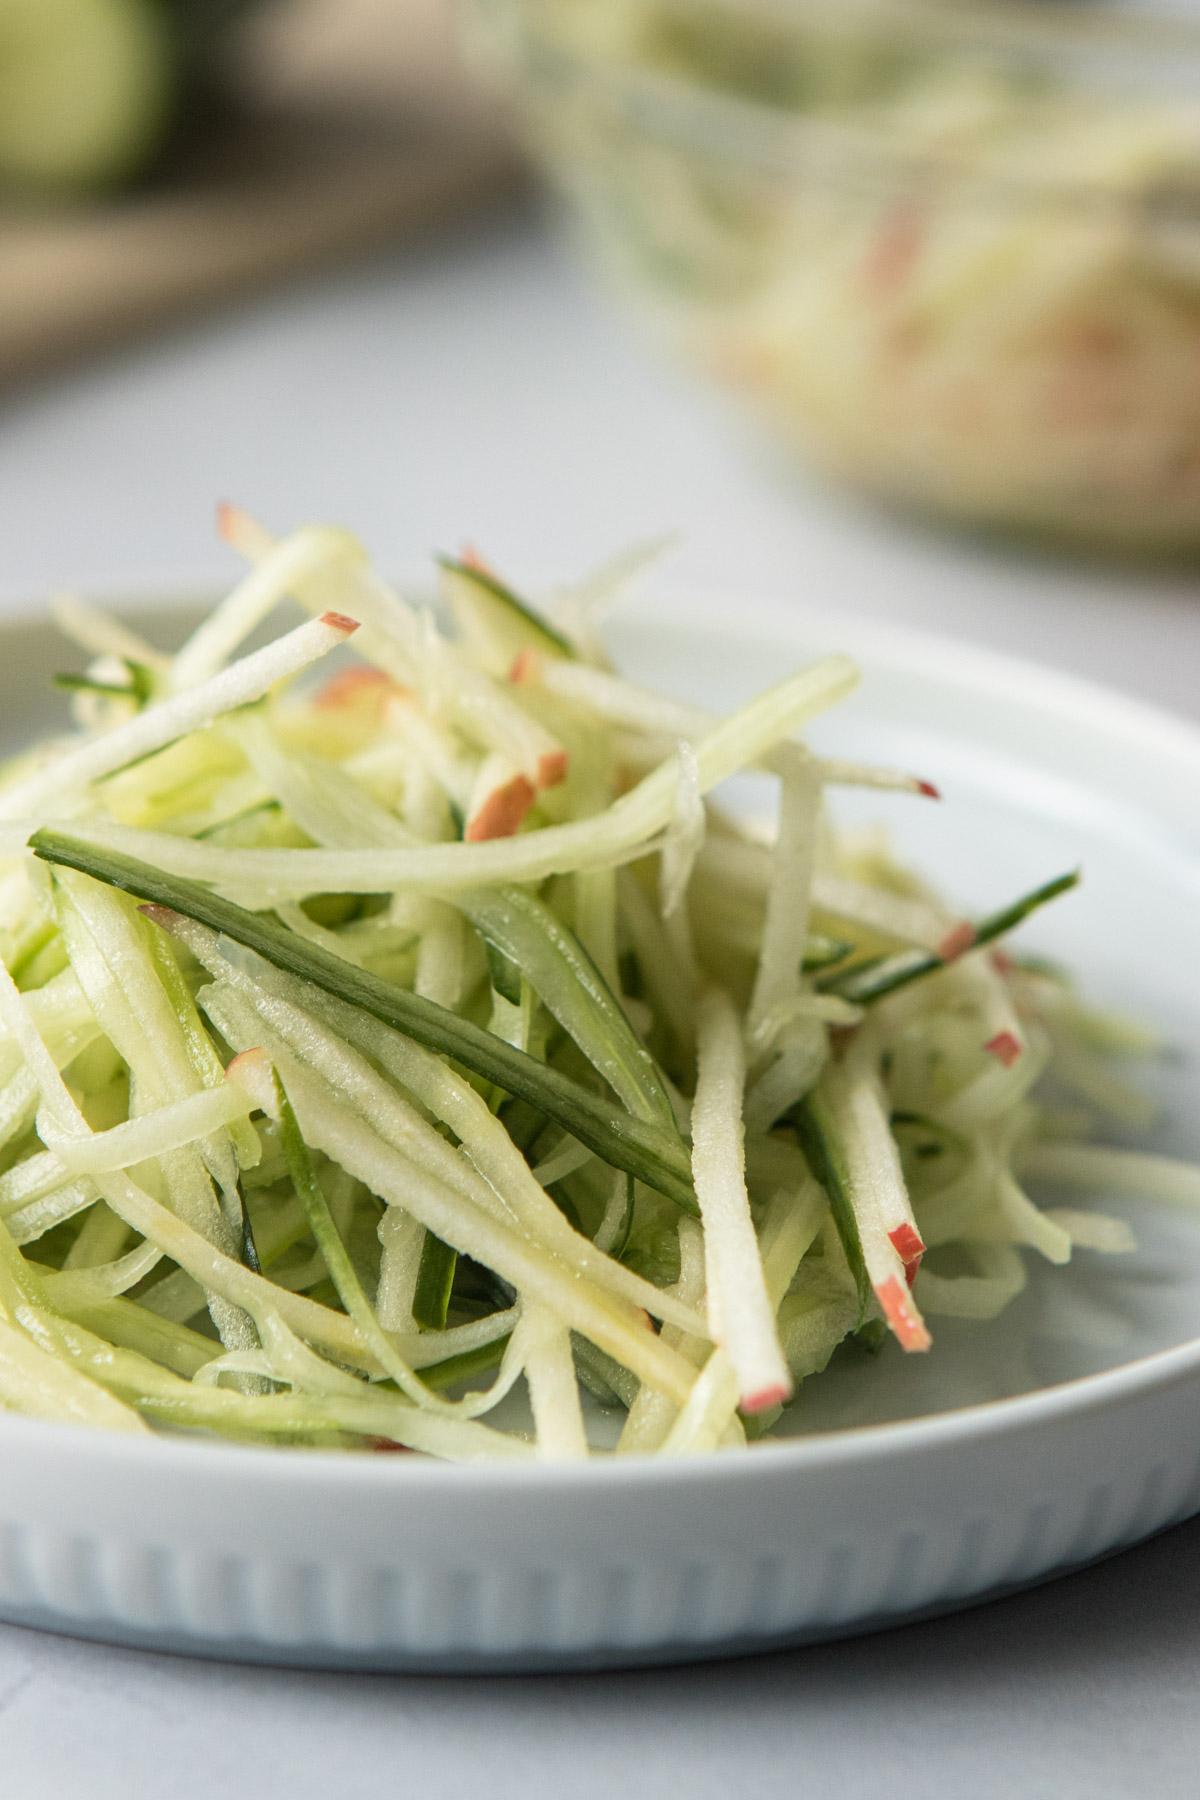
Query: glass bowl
{"points": [[949, 251]]}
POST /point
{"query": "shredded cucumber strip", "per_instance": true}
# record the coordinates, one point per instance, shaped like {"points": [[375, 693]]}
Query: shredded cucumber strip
{"points": [[510, 918], [792, 1223], [741, 1318], [128, 1325], [651, 1413], [162, 1396], [112, 958], [493, 1178], [561, 972], [35, 1381], [984, 1295], [113, 950], [660, 722], [553, 1389], [160, 725], [405, 645], [844, 1130], [346, 1282], [492, 621], [873, 980], [1093, 1166], [650, 1154], [401, 1241], [33, 1219], [98, 632], [227, 626], [214, 1270], [785, 927], [600, 1317], [84, 1287], [1093, 1230], [170, 1127], [629, 823]]}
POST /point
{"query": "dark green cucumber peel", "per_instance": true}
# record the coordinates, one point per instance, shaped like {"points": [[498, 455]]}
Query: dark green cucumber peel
{"points": [[930, 1136], [522, 935], [599, 1374], [650, 1153], [238, 818], [504, 597], [435, 1280], [810, 1118], [250, 1256], [821, 1144], [621, 1242], [454, 1369], [822, 952], [871, 1336], [442, 1260], [503, 973], [139, 687], [303, 1176], [883, 975]]}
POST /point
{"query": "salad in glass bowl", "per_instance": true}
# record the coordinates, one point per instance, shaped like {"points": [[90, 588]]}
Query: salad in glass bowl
{"points": [[951, 254]]}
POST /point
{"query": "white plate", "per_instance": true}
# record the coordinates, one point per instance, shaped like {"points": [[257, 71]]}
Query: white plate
{"points": [[1065, 1430]]}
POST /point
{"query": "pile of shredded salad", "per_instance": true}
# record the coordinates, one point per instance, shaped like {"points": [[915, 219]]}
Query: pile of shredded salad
{"points": [[410, 1049]]}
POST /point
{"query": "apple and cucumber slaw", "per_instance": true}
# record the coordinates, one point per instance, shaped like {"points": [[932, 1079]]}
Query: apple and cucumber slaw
{"points": [[415, 1050]]}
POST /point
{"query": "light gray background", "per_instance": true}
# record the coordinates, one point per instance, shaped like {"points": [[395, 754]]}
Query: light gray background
{"points": [[474, 389]]}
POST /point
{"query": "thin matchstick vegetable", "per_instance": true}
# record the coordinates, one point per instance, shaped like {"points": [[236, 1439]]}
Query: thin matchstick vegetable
{"points": [[844, 1130], [620, 703], [253, 1003], [170, 719], [631, 824], [557, 1081], [740, 1313], [341, 1268], [404, 644], [873, 981], [626, 1142], [170, 1127]]}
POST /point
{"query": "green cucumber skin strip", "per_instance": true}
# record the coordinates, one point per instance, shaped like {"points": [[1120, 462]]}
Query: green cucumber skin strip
{"points": [[810, 1118], [505, 597], [250, 1254], [328, 1238], [84, 684], [874, 980], [621, 1241], [933, 1128], [139, 687], [454, 1369], [503, 972], [521, 929], [822, 952], [311, 1195], [615, 1136], [435, 1279], [819, 1140]]}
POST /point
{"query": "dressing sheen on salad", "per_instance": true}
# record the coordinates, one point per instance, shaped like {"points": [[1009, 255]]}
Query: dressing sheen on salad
{"points": [[404, 1045]]}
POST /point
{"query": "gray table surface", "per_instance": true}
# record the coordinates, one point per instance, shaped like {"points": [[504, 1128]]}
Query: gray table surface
{"points": [[473, 388]]}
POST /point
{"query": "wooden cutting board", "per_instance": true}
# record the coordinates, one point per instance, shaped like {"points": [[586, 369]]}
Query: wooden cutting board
{"points": [[351, 123]]}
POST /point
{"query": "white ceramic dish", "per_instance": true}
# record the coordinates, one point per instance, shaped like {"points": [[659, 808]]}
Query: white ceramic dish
{"points": [[1063, 1431]]}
